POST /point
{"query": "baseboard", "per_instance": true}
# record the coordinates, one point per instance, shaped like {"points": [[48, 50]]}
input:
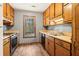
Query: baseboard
{"points": [[28, 43]]}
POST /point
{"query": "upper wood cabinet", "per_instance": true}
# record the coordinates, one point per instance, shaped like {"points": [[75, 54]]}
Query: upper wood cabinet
{"points": [[47, 21], [8, 14], [44, 18], [51, 11], [47, 12], [67, 13], [12, 11], [5, 10], [58, 9]]}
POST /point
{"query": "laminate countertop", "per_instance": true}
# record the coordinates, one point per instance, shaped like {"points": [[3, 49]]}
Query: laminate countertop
{"points": [[8, 33], [66, 38]]}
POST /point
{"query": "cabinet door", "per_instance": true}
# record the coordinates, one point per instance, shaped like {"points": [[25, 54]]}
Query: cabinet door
{"points": [[6, 49], [77, 30], [5, 10], [60, 51], [47, 12], [68, 13], [51, 47], [12, 11], [47, 21], [8, 12], [58, 9], [44, 18], [52, 11], [46, 44]]}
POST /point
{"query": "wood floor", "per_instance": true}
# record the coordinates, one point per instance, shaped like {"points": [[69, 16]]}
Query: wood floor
{"points": [[30, 50]]}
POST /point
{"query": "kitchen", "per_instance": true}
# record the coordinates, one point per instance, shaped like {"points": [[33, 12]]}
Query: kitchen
{"points": [[40, 29]]}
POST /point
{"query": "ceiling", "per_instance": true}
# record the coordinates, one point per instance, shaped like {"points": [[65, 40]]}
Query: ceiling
{"points": [[36, 7]]}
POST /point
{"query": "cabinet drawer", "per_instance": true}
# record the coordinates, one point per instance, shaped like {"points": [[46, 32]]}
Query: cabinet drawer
{"points": [[60, 51], [50, 38], [63, 44], [5, 41]]}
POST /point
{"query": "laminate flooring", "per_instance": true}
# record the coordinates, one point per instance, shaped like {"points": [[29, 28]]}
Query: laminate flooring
{"points": [[30, 50]]}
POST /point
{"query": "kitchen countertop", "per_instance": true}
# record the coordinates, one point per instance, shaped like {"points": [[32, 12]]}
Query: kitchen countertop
{"points": [[6, 36], [9, 33], [61, 37]]}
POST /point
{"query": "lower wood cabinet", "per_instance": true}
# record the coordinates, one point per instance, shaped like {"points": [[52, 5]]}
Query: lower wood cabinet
{"points": [[60, 51], [49, 45], [57, 47], [6, 47]]}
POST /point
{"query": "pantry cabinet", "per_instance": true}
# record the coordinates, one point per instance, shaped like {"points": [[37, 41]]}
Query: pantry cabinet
{"points": [[58, 9], [67, 13], [52, 11], [76, 29]]}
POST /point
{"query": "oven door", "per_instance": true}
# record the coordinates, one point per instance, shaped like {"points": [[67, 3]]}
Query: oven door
{"points": [[13, 43]]}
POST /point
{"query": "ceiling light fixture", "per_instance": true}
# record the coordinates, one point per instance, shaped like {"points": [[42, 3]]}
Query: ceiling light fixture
{"points": [[33, 6]]}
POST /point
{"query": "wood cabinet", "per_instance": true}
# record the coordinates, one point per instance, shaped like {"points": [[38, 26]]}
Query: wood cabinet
{"points": [[67, 13], [57, 47], [6, 47], [47, 12], [8, 14], [49, 45], [60, 51], [76, 29], [52, 11], [63, 44], [47, 16], [47, 21], [12, 11], [58, 9], [44, 18], [62, 48], [5, 10]]}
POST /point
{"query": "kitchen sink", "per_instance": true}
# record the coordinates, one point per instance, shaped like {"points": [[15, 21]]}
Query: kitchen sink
{"points": [[57, 33]]}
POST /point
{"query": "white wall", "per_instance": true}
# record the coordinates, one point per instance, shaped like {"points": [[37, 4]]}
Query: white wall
{"points": [[19, 24], [1, 32]]}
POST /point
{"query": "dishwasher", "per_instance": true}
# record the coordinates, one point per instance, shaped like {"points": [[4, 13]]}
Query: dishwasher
{"points": [[43, 40]]}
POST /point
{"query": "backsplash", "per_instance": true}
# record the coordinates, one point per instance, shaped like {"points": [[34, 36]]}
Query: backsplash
{"points": [[5, 27], [61, 28]]}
